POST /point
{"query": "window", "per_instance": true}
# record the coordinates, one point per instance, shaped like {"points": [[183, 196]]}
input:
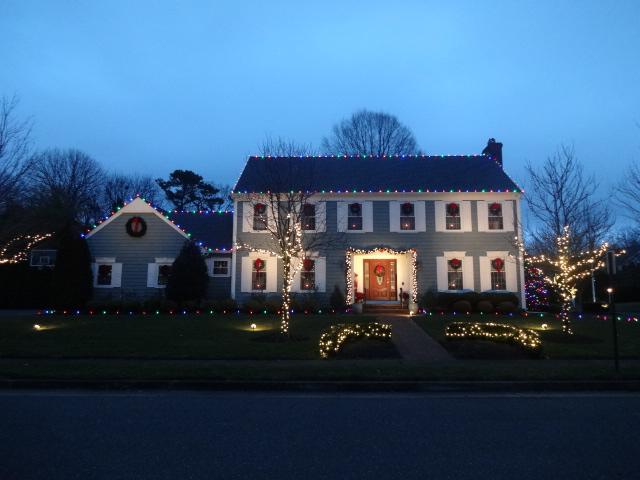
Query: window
{"points": [[407, 216], [308, 218], [104, 274], [354, 217], [498, 275], [308, 275], [452, 219], [260, 217], [220, 268], [454, 274], [44, 260], [258, 274], [495, 221], [164, 270]]}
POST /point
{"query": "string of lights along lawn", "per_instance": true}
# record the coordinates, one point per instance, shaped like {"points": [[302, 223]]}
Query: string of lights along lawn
{"points": [[523, 337], [334, 338]]}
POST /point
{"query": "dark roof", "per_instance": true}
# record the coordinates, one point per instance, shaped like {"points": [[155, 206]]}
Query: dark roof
{"points": [[214, 230], [410, 173]]}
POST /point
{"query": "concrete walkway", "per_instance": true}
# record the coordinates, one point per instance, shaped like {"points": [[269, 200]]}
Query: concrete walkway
{"points": [[412, 342]]}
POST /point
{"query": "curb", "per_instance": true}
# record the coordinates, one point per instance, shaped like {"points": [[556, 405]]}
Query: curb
{"points": [[328, 386]]}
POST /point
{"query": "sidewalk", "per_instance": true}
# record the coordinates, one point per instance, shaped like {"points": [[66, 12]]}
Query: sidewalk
{"points": [[413, 343]]}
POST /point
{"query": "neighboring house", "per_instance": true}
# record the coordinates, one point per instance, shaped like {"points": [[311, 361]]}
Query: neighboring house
{"points": [[133, 250], [410, 223]]}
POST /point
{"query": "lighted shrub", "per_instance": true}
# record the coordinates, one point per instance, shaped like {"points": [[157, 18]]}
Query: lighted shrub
{"points": [[495, 332]]}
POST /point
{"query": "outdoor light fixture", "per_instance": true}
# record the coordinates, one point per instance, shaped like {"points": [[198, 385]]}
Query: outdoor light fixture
{"points": [[37, 326], [253, 326], [544, 326], [609, 290]]}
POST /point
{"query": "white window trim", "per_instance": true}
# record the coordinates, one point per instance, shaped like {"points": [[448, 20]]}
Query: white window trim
{"points": [[467, 271], [219, 275], [153, 270], [116, 272], [246, 283], [320, 217], [247, 216], [508, 218], [343, 217], [466, 218]]}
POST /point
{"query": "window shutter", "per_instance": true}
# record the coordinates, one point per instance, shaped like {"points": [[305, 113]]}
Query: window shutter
{"points": [[152, 275], [485, 274], [247, 217], [321, 217], [441, 267], [245, 274], [441, 224], [342, 216], [419, 211], [394, 216], [271, 218], [483, 216], [507, 216], [295, 286], [465, 217], [94, 273], [272, 274], [510, 273], [116, 275], [467, 273], [321, 274], [367, 216]]}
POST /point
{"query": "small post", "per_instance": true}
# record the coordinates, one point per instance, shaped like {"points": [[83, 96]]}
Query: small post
{"points": [[611, 271]]}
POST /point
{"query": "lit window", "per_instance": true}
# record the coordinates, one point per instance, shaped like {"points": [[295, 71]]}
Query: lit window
{"points": [[495, 219], [308, 275], [164, 270], [220, 267], [452, 216], [498, 276], [259, 274], [260, 216], [104, 274], [308, 218], [407, 216], [355, 216], [454, 274]]}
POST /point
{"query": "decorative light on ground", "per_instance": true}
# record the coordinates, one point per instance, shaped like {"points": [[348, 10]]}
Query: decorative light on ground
{"points": [[544, 326], [523, 337], [332, 340], [37, 326], [253, 326]]}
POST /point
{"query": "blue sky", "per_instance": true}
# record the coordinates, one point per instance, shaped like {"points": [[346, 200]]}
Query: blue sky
{"points": [[154, 86]]}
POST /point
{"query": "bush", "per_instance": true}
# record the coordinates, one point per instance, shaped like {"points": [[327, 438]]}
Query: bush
{"points": [[507, 307], [590, 307], [337, 300], [309, 303], [446, 300], [484, 306], [226, 305], [72, 277], [273, 304], [188, 279], [255, 303], [461, 306], [497, 297], [428, 300]]}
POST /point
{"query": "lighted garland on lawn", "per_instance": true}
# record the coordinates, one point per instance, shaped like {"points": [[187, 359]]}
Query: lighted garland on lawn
{"points": [[498, 332], [358, 251], [332, 340]]}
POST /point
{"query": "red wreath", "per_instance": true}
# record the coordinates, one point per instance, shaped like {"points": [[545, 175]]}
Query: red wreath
{"points": [[453, 209], [355, 208], [136, 227], [379, 271], [497, 264], [258, 264], [455, 263], [308, 264], [495, 208], [259, 208], [407, 208]]}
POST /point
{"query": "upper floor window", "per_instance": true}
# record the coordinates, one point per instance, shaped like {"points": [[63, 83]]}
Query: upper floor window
{"points": [[308, 275], [258, 274], [260, 216], [407, 216], [104, 274], [452, 216], [354, 217], [308, 217], [498, 275], [454, 274], [495, 219]]}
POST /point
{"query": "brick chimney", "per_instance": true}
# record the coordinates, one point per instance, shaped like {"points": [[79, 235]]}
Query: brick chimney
{"points": [[494, 150]]}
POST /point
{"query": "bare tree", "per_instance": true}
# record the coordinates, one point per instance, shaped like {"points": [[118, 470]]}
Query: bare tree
{"points": [[224, 192], [65, 187], [14, 150], [119, 188], [628, 193], [370, 133], [283, 147], [560, 194]]}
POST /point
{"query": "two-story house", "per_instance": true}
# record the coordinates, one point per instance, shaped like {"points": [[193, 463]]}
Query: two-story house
{"points": [[394, 224]]}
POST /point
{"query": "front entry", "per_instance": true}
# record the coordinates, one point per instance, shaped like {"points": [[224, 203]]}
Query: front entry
{"points": [[380, 279]]}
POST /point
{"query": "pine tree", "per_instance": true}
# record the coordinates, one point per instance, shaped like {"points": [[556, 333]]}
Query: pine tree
{"points": [[72, 278], [188, 279]]}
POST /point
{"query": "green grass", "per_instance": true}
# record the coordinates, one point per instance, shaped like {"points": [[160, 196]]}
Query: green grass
{"points": [[592, 337], [164, 336]]}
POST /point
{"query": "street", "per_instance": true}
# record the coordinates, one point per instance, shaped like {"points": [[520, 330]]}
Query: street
{"points": [[193, 435]]}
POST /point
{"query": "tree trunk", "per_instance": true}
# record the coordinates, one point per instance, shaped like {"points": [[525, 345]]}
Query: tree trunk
{"points": [[565, 316], [286, 296]]}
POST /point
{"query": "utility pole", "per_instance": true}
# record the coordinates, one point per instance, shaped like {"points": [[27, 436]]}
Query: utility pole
{"points": [[611, 271]]}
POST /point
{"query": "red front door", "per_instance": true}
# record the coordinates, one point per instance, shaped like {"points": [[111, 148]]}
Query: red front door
{"points": [[380, 279]]}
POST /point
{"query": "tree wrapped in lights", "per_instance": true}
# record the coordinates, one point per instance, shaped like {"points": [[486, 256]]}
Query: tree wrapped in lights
{"points": [[17, 249], [567, 269], [536, 289]]}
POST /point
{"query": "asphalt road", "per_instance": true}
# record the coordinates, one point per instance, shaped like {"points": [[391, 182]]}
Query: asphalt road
{"points": [[185, 435]]}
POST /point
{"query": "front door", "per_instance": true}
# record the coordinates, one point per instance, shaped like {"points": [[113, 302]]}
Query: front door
{"points": [[380, 279]]}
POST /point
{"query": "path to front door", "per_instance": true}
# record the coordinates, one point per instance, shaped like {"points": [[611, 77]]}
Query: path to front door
{"points": [[412, 342], [380, 277]]}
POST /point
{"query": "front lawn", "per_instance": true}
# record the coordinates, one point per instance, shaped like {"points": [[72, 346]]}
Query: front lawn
{"points": [[592, 337], [165, 336]]}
